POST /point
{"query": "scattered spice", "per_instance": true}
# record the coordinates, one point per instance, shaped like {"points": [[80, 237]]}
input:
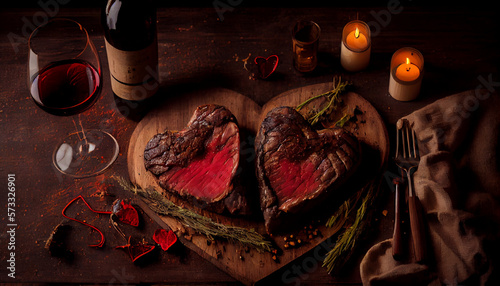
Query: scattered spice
{"points": [[292, 242], [101, 194], [301, 238], [312, 232], [164, 238]]}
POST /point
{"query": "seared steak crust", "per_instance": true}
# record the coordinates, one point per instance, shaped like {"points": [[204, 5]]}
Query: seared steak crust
{"points": [[200, 162], [296, 164]]}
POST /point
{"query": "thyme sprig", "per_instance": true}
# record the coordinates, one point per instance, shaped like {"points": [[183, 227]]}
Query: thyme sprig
{"points": [[199, 223], [333, 100], [347, 240]]}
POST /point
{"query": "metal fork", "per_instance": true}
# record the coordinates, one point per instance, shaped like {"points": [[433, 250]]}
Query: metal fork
{"points": [[407, 158]]}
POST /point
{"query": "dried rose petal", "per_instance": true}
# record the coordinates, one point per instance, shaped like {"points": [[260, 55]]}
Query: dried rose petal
{"points": [[164, 238], [137, 250], [126, 213]]}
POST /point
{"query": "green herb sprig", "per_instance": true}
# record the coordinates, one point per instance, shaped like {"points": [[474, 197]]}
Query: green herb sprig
{"points": [[333, 100], [347, 240], [199, 223]]}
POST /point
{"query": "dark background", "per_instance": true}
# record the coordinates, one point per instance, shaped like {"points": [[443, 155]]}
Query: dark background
{"points": [[474, 5]]}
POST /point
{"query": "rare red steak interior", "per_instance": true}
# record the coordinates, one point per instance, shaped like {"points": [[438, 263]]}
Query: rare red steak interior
{"points": [[200, 163], [297, 165]]}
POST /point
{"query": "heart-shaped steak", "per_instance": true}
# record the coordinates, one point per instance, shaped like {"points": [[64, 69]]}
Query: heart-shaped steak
{"points": [[266, 66], [200, 161], [296, 164]]}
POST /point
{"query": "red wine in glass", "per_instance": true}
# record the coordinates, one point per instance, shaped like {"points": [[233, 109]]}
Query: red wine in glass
{"points": [[64, 78], [66, 87]]}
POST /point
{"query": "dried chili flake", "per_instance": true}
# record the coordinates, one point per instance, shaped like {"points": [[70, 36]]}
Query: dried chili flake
{"points": [[137, 250], [164, 238], [102, 193], [125, 212]]}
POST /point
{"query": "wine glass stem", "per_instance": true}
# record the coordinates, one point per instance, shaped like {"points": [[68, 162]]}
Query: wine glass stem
{"points": [[83, 146]]}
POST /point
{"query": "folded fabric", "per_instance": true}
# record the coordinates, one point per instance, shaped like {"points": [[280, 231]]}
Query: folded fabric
{"points": [[458, 184]]}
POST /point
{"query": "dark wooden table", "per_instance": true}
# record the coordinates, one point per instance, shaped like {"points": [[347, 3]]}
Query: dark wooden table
{"points": [[201, 48]]}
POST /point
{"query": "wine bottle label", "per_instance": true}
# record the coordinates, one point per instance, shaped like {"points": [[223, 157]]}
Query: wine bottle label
{"points": [[134, 74]]}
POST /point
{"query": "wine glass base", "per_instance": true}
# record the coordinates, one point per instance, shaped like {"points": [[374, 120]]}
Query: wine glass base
{"points": [[85, 154]]}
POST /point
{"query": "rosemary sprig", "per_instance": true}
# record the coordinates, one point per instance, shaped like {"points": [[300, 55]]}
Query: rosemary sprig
{"points": [[347, 240], [337, 220], [332, 98], [201, 224]]}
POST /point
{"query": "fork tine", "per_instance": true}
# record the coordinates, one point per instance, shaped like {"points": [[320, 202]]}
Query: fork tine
{"points": [[397, 142], [403, 141], [415, 145], [408, 142]]}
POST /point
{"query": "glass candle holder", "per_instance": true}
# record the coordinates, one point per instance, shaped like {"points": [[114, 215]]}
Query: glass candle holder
{"points": [[407, 67], [355, 47], [305, 38]]}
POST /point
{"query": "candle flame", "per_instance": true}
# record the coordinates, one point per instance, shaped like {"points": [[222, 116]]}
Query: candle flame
{"points": [[356, 34], [407, 61]]}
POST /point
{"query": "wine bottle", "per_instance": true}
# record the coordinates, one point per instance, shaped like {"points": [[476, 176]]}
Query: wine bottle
{"points": [[132, 47]]}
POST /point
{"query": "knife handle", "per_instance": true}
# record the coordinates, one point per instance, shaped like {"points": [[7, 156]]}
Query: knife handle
{"points": [[417, 229], [397, 237]]}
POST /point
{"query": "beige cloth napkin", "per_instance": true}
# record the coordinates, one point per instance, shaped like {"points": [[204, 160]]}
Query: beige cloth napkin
{"points": [[458, 183]]}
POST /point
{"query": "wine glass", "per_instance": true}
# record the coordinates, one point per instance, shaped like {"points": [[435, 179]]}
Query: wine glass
{"points": [[64, 78]]}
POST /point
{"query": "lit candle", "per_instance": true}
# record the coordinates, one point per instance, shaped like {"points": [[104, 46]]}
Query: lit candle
{"points": [[355, 47], [407, 71], [356, 40], [406, 74]]}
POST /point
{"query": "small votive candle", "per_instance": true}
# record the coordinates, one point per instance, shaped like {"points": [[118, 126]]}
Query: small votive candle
{"points": [[407, 66], [355, 47]]}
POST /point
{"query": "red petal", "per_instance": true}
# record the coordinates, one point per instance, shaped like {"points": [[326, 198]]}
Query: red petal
{"points": [[164, 238], [127, 214]]}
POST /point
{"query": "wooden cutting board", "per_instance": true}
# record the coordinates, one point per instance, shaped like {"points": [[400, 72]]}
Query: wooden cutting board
{"points": [[249, 266]]}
